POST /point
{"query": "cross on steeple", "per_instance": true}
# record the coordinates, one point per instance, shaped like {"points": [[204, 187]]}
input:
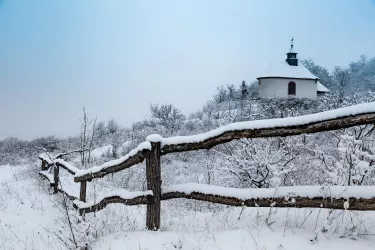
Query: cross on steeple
{"points": [[292, 59], [291, 45]]}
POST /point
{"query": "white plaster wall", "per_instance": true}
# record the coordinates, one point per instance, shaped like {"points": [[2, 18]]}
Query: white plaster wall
{"points": [[278, 87]]}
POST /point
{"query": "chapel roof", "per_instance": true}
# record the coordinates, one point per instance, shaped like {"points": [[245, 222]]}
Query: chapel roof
{"points": [[321, 88], [284, 70]]}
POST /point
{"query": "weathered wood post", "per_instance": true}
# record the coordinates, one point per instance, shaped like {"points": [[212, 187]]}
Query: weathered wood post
{"points": [[82, 194], [153, 174], [43, 165], [56, 178]]}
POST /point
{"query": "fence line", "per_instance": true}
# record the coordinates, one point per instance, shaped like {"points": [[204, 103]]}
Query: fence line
{"points": [[156, 146], [315, 197]]}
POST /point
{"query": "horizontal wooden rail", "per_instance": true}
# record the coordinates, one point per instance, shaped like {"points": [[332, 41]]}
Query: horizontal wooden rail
{"points": [[61, 163], [49, 158], [359, 197], [298, 202], [138, 157], [227, 136], [360, 204], [140, 200], [67, 166], [67, 169], [119, 196]]}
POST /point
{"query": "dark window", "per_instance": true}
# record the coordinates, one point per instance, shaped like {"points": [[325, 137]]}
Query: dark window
{"points": [[291, 88]]}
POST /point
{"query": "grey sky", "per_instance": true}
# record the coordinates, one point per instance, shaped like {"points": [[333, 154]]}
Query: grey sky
{"points": [[117, 57]]}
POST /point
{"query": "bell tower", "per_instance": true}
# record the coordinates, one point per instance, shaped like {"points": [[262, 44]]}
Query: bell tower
{"points": [[292, 59]]}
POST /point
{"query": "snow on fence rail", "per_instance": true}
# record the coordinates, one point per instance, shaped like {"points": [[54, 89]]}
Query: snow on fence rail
{"points": [[120, 196], [357, 198], [336, 197], [135, 156]]}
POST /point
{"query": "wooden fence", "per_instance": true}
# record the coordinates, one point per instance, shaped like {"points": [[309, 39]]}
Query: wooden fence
{"points": [[156, 146], [55, 164]]}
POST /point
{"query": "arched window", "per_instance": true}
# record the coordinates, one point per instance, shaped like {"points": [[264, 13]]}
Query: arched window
{"points": [[291, 88]]}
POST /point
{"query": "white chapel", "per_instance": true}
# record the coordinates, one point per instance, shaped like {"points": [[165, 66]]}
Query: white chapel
{"points": [[289, 79]]}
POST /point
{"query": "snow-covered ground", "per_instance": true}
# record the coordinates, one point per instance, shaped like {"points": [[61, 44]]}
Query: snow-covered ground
{"points": [[234, 228], [231, 240], [28, 213], [32, 218]]}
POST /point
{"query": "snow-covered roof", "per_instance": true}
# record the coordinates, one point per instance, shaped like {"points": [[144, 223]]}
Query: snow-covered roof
{"points": [[321, 88], [283, 69]]}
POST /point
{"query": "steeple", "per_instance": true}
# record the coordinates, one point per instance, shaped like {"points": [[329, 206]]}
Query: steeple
{"points": [[292, 59]]}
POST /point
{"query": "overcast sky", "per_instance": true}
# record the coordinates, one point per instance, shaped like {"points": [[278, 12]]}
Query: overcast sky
{"points": [[117, 57]]}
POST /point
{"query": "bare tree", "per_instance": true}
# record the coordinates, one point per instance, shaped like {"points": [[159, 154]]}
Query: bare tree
{"points": [[115, 136], [87, 138]]}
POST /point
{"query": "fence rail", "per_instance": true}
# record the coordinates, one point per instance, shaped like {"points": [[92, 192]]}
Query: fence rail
{"points": [[138, 157], [337, 202], [156, 146]]}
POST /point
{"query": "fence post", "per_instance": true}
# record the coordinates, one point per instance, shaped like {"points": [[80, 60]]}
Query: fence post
{"points": [[82, 194], [43, 165], [56, 178], [153, 175]]}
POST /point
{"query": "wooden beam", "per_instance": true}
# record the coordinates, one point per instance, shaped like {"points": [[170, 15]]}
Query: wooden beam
{"points": [[64, 167], [138, 158], [114, 199], [153, 175], [300, 202], [334, 124]]}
